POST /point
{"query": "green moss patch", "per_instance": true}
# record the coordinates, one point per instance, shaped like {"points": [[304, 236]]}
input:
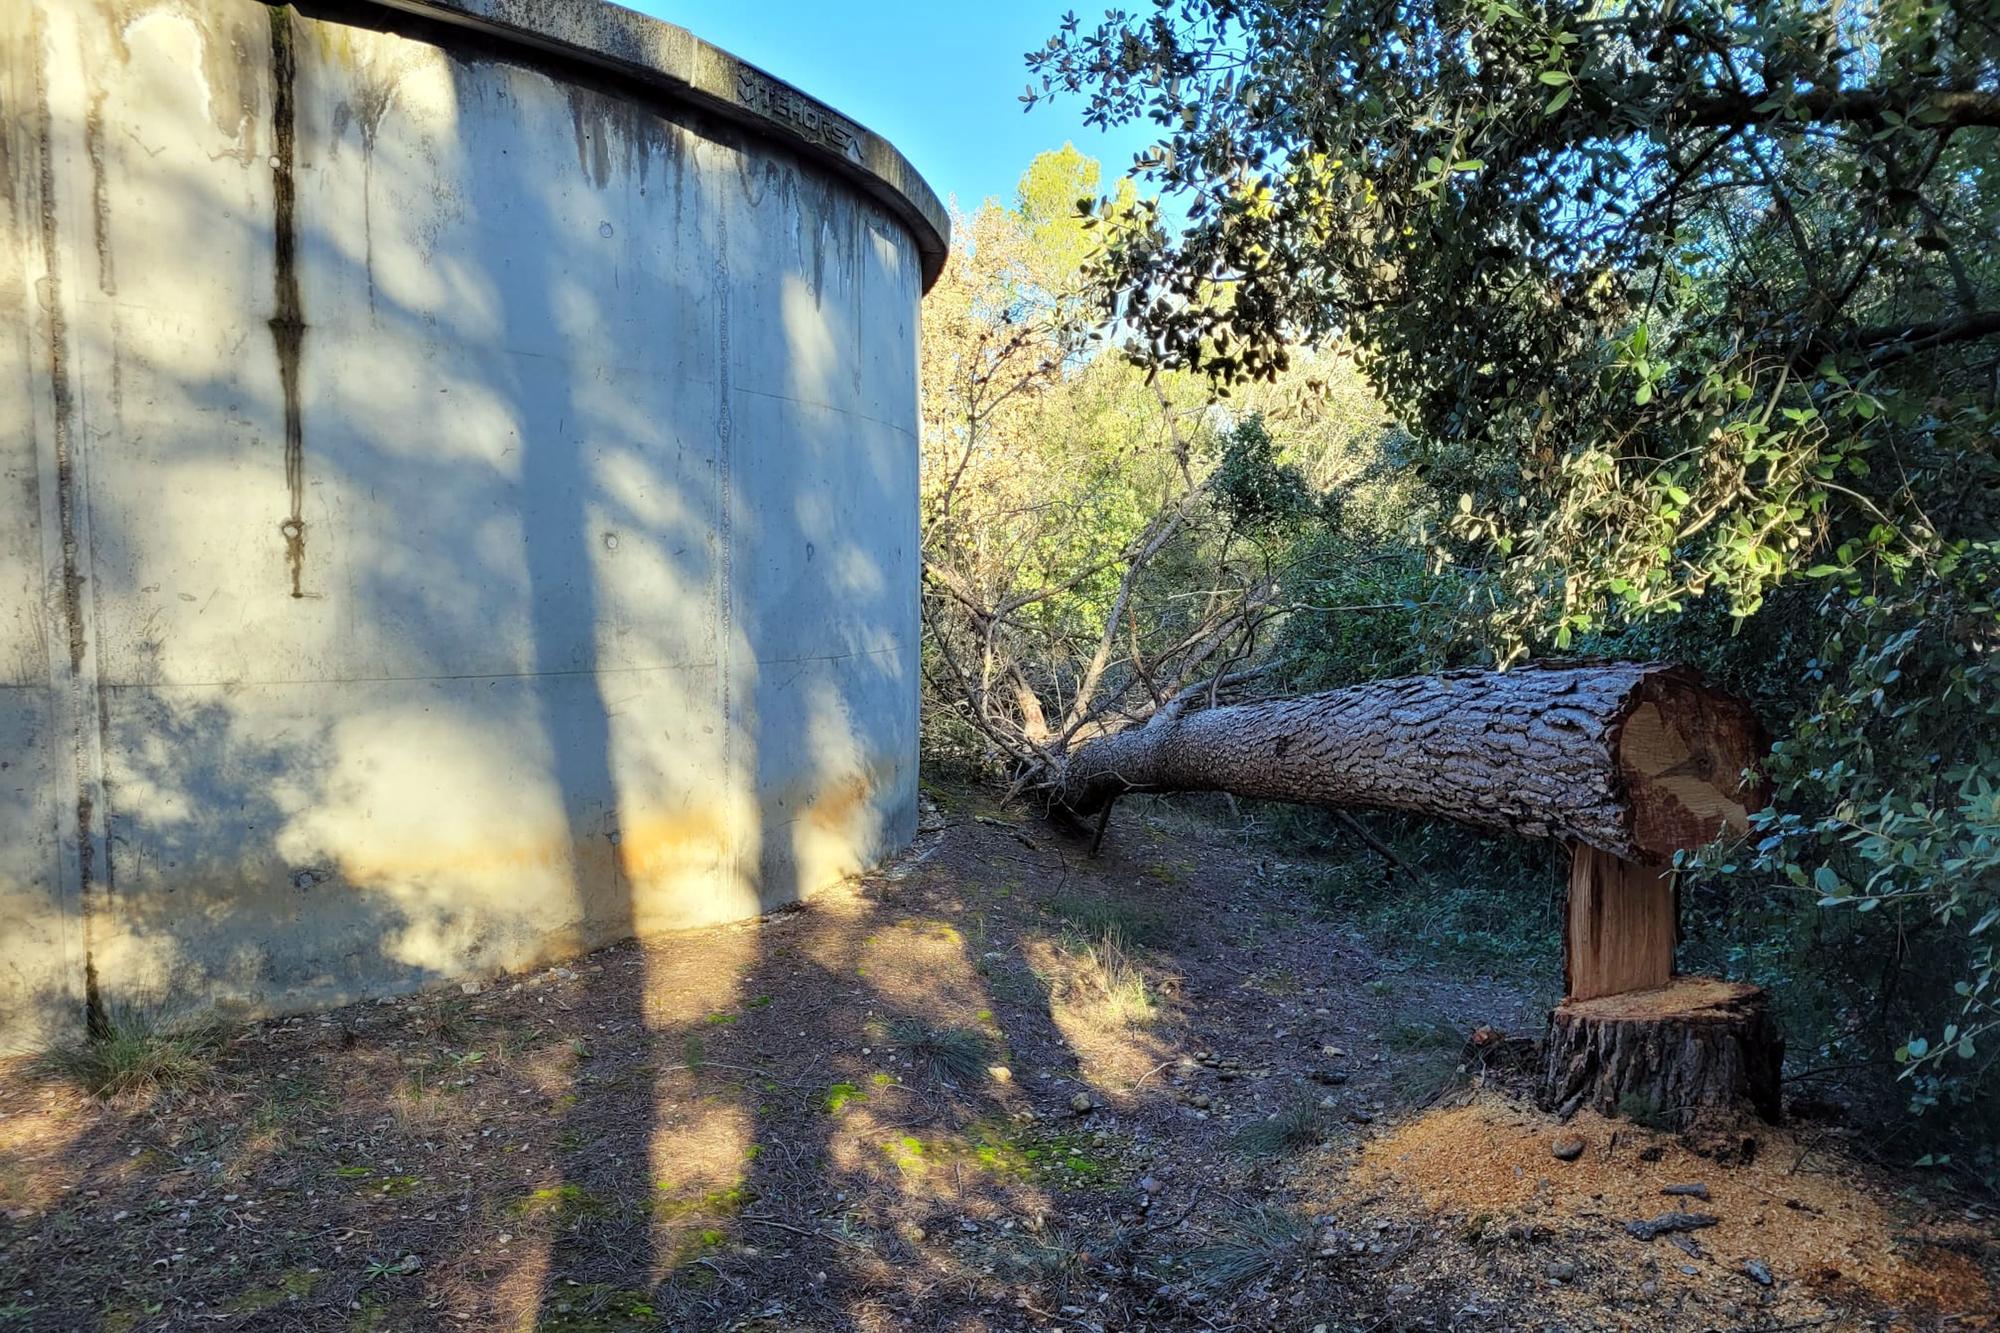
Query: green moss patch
{"points": [[558, 1201]]}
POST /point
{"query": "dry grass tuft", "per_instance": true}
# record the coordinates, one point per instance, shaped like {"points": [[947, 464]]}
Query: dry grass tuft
{"points": [[1112, 981], [139, 1050]]}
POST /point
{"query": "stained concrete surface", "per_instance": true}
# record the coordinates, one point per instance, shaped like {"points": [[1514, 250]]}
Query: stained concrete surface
{"points": [[460, 503]]}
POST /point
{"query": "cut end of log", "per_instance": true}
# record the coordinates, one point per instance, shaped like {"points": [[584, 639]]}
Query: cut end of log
{"points": [[1693, 1052], [1688, 759]]}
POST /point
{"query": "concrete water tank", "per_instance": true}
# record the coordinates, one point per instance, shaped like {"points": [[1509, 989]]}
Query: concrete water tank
{"points": [[460, 494]]}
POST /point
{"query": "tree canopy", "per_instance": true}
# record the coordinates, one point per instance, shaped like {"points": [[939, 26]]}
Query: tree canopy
{"points": [[1652, 269], [1691, 313]]}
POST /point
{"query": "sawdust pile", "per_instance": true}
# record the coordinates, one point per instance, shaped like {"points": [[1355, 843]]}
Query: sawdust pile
{"points": [[1808, 1217]]}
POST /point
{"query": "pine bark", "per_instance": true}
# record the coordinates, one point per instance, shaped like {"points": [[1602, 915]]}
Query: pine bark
{"points": [[1638, 759], [1690, 1054]]}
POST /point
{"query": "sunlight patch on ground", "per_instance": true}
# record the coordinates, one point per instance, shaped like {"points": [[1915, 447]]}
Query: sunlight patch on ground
{"points": [[1111, 1009]]}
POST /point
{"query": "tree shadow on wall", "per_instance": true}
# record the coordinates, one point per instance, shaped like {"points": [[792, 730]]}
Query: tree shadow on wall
{"points": [[511, 637]]}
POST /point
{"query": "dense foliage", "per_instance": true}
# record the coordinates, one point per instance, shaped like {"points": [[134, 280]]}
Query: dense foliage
{"points": [[1098, 538], [1692, 314]]}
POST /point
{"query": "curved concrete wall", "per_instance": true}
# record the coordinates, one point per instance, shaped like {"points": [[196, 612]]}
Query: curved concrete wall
{"points": [[460, 495]]}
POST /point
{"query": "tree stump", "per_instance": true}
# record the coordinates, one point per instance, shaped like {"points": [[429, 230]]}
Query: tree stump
{"points": [[1682, 1056]]}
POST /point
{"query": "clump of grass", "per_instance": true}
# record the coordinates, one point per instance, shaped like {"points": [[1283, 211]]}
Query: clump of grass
{"points": [[1253, 1245], [1426, 1080], [1433, 1032], [1436, 1047], [1138, 923], [1118, 982], [1299, 1124], [445, 1018], [957, 1055], [138, 1050], [1055, 1258]]}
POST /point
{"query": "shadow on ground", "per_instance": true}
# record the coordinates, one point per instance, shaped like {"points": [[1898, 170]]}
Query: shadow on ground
{"points": [[996, 1085]]}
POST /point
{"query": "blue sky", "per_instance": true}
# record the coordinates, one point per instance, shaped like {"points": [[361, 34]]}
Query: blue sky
{"points": [[938, 80]]}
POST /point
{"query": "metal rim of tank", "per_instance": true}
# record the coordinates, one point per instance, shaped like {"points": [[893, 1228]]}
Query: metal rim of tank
{"points": [[672, 60]]}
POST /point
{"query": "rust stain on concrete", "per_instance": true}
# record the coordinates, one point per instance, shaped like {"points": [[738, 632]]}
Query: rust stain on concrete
{"points": [[288, 325]]}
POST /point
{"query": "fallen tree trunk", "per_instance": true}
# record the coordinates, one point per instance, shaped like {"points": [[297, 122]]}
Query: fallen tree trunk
{"points": [[1628, 762], [1638, 759]]}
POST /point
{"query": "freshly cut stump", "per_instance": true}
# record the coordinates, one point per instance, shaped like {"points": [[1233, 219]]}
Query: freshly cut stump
{"points": [[1692, 1052]]}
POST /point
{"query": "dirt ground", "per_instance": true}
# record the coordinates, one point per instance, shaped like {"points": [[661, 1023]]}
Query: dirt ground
{"points": [[938, 1099]]}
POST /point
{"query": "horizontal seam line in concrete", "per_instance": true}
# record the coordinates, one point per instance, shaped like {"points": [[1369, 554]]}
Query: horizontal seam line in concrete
{"points": [[490, 675], [896, 426], [644, 373]]}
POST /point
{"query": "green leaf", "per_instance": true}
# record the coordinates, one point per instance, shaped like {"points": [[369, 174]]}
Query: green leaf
{"points": [[1560, 100], [1470, 164], [1555, 78]]}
